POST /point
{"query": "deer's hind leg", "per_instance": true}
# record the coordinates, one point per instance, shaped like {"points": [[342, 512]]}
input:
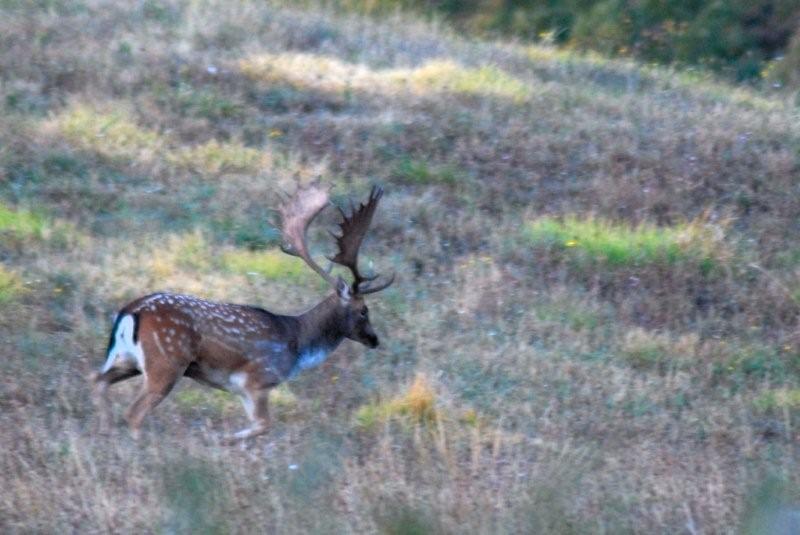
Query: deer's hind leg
{"points": [[100, 383], [155, 388], [161, 371]]}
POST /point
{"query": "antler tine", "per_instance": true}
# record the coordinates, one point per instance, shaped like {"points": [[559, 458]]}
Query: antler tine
{"points": [[354, 227], [366, 289], [297, 213]]}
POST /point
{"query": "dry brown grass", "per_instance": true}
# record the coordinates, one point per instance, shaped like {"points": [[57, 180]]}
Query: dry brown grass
{"points": [[633, 369]]}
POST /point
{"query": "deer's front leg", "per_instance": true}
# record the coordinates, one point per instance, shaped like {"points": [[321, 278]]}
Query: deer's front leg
{"points": [[256, 405], [259, 414], [252, 384]]}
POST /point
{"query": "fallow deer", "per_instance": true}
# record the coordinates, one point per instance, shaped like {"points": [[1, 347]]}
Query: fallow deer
{"points": [[244, 349]]}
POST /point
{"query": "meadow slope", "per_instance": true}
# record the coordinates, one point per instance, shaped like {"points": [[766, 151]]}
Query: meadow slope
{"points": [[595, 324]]}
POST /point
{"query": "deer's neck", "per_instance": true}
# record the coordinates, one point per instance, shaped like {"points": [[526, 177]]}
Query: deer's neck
{"points": [[319, 334]]}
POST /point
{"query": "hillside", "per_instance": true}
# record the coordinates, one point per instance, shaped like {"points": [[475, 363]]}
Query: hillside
{"points": [[595, 326]]}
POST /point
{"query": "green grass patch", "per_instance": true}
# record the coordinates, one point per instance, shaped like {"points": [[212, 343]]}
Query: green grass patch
{"points": [[420, 172], [22, 224], [10, 285], [214, 402], [179, 252], [747, 363], [643, 349], [283, 397], [794, 294], [201, 102], [215, 157], [113, 135], [191, 251], [219, 403], [778, 398], [575, 315], [194, 495], [596, 240], [272, 264], [117, 137]]}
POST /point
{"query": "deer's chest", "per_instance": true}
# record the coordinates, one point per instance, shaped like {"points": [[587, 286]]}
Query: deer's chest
{"points": [[310, 358]]}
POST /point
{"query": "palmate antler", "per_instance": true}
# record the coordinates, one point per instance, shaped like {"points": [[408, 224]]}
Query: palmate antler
{"points": [[354, 227], [299, 211]]}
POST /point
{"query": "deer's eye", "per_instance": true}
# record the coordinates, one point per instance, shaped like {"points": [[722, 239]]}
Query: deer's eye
{"points": [[364, 312]]}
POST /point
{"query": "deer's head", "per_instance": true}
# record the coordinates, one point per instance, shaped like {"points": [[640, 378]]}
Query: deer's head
{"points": [[297, 213]]}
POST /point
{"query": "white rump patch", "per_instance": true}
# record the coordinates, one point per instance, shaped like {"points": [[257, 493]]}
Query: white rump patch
{"points": [[124, 348]]}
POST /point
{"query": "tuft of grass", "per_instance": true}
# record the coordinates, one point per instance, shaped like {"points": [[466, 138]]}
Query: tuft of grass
{"points": [[199, 102], [113, 135], [191, 250], [745, 362], [448, 76], [10, 285], [416, 405], [778, 398], [215, 158], [595, 240], [179, 252], [303, 71], [271, 264], [283, 397], [22, 224], [117, 136], [565, 310], [645, 350], [403, 519], [20, 228]]}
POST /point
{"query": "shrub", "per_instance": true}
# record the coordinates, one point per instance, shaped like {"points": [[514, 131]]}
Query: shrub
{"points": [[786, 70], [737, 36]]}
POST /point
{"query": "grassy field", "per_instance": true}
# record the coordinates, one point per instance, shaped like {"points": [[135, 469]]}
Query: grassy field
{"points": [[595, 325]]}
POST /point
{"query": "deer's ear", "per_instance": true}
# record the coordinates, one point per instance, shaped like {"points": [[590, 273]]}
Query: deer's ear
{"points": [[343, 289]]}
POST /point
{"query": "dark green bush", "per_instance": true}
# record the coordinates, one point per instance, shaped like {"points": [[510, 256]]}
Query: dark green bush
{"points": [[737, 37]]}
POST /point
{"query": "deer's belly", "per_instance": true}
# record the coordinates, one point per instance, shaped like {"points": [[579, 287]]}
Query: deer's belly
{"points": [[224, 379]]}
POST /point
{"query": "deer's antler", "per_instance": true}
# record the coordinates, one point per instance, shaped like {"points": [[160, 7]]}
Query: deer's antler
{"points": [[297, 213], [354, 227]]}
